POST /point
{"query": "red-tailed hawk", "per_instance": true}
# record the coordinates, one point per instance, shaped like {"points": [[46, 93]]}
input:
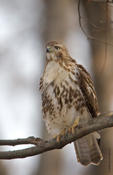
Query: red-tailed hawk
{"points": [[68, 96]]}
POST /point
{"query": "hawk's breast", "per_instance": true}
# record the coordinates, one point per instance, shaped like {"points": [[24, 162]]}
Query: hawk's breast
{"points": [[62, 99]]}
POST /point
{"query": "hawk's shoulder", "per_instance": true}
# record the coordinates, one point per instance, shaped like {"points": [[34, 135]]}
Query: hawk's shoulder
{"points": [[88, 90]]}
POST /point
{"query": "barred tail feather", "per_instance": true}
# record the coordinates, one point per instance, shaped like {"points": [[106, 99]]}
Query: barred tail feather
{"points": [[87, 150]]}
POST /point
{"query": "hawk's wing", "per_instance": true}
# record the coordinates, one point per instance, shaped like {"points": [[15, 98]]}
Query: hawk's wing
{"points": [[88, 153], [88, 90]]}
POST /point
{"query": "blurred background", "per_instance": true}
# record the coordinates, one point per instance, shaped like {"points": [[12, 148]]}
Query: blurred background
{"points": [[25, 26]]}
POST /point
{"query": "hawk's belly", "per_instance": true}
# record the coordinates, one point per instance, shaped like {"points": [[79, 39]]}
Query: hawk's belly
{"points": [[62, 104]]}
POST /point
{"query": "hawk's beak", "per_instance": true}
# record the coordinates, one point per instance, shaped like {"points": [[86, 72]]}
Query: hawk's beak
{"points": [[48, 49]]}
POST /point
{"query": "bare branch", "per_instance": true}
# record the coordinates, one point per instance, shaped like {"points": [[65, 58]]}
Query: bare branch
{"points": [[95, 124], [28, 140]]}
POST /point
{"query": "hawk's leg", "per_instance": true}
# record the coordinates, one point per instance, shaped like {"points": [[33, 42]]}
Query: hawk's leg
{"points": [[75, 124], [71, 130]]}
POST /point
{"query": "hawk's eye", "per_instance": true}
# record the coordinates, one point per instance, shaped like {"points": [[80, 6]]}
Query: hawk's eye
{"points": [[57, 47]]}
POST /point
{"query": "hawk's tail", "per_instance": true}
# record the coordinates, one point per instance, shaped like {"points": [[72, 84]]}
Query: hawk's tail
{"points": [[87, 150]]}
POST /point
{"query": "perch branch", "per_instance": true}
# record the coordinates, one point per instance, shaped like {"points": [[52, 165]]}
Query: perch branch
{"points": [[40, 146]]}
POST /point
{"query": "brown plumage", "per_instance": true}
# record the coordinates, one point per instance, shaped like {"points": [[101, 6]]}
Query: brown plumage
{"points": [[68, 94]]}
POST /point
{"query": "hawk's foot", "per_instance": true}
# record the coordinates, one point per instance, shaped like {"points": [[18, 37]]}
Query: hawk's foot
{"points": [[75, 124], [60, 135]]}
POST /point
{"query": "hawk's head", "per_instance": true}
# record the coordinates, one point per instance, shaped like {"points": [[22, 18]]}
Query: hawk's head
{"points": [[56, 50]]}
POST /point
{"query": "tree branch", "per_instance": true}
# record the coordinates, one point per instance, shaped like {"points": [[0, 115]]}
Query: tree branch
{"points": [[23, 141], [40, 146]]}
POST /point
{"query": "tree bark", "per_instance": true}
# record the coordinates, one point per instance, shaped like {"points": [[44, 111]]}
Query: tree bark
{"points": [[98, 27]]}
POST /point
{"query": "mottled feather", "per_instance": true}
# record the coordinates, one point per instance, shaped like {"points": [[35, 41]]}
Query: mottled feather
{"points": [[88, 90]]}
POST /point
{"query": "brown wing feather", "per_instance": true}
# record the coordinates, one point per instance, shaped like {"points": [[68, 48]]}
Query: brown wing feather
{"points": [[88, 90]]}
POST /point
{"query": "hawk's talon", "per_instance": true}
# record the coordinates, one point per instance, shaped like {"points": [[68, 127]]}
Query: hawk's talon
{"points": [[58, 138], [75, 124], [60, 135]]}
